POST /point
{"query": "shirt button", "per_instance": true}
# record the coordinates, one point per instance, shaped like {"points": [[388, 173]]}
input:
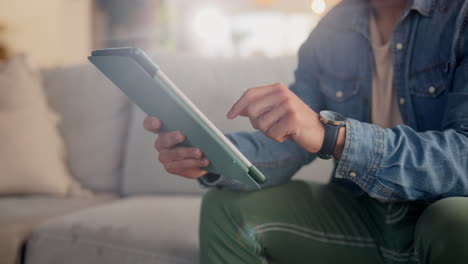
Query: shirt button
{"points": [[339, 94], [432, 90], [399, 46], [352, 174], [402, 100]]}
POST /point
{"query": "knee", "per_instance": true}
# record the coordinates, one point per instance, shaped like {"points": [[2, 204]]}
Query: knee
{"points": [[216, 204], [442, 229], [447, 217], [222, 205], [216, 201]]}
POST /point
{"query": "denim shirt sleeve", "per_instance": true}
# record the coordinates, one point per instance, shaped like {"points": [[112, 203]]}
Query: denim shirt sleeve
{"points": [[402, 164], [278, 161]]}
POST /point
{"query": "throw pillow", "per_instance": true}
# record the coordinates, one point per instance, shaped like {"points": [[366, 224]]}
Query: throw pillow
{"points": [[31, 149]]}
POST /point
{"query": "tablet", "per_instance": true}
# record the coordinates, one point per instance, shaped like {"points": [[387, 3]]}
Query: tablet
{"points": [[149, 88]]}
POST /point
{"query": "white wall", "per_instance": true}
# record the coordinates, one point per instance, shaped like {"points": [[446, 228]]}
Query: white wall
{"points": [[53, 32]]}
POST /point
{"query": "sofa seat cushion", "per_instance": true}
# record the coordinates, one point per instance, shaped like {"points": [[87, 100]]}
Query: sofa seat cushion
{"points": [[20, 215], [153, 229]]}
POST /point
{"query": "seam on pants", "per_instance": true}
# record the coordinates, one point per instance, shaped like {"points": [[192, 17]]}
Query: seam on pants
{"points": [[321, 236], [318, 238], [398, 215], [400, 257], [316, 232]]}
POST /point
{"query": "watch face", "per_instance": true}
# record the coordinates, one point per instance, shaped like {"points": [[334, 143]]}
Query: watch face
{"points": [[333, 117]]}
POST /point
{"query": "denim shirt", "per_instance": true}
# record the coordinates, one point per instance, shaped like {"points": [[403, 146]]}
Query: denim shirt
{"points": [[425, 159]]}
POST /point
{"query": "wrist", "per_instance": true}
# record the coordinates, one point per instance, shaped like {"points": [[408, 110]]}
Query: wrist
{"points": [[321, 137], [333, 142], [340, 143]]}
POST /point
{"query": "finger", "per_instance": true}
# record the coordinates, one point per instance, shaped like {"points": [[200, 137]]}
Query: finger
{"points": [[264, 104], [270, 118], [179, 166], [250, 96], [280, 130], [193, 173], [168, 140], [179, 153], [152, 124]]}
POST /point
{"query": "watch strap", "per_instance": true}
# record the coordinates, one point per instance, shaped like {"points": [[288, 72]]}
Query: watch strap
{"points": [[329, 141]]}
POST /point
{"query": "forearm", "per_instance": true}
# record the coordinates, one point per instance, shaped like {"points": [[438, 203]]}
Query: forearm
{"points": [[277, 161]]}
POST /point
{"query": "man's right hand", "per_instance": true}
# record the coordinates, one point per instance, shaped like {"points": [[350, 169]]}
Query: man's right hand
{"points": [[183, 161]]}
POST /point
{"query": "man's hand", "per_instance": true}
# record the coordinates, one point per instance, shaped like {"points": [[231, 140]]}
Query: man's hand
{"points": [[183, 161], [280, 115]]}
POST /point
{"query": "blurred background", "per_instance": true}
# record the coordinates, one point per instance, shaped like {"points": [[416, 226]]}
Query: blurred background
{"points": [[60, 32], [89, 172]]}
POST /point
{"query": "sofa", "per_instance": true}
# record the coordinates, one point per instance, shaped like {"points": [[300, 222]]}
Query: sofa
{"points": [[140, 213]]}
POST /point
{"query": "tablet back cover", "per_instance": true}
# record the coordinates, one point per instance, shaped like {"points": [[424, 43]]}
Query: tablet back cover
{"points": [[155, 98]]}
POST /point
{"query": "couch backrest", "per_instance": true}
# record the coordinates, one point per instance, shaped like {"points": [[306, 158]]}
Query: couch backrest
{"points": [[213, 85], [95, 118]]}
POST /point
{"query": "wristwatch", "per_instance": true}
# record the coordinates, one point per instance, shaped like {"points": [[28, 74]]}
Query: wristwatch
{"points": [[332, 122]]}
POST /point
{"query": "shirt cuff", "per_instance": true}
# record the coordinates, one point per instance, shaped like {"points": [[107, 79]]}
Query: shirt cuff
{"points": [[362, 153]]}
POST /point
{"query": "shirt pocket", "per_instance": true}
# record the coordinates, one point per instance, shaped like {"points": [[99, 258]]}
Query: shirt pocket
{"points": [[340, 93], [429, 82], [428, 88]]}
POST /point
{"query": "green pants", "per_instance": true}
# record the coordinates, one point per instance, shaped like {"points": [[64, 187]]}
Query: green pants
{"points": [[324, 223]]}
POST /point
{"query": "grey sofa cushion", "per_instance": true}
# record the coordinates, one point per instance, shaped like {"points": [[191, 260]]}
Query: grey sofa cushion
{"points": [[20, 215], [137, 230], [95, 117]]}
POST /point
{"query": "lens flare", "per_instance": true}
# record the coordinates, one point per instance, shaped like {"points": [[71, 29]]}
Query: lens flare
{"points": [[318, 6], [210, 23]]}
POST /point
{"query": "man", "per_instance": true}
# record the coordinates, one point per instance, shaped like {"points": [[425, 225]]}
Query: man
{"points": [[398, 71]]}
